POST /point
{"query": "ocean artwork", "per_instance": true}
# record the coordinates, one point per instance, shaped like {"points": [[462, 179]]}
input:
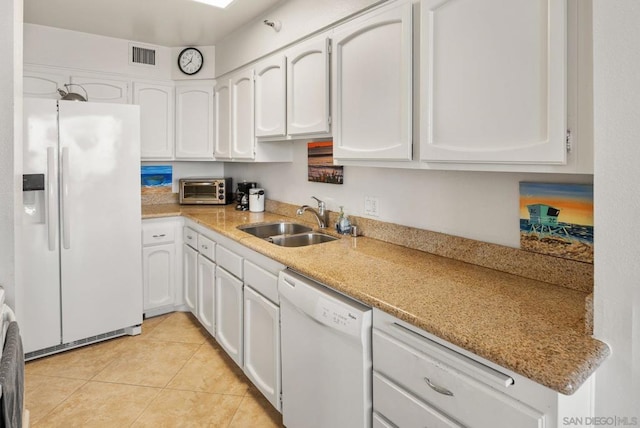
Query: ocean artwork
{"points": [[320, 163], [156, 179], [557, 220]]}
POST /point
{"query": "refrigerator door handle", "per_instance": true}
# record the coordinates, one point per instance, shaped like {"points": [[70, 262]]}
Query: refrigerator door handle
{"points": [[64, 173], [50, 198]]}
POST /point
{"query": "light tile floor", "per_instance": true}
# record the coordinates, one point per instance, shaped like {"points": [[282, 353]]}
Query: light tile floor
{"points": [[172, 375]]}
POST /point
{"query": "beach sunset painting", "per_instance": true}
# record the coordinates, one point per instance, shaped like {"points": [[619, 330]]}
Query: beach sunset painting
{"points": [[557, 219], [320, 163]]}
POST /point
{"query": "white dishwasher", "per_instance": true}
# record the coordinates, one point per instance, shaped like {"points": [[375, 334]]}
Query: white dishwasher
{"points": [[326, 356]]}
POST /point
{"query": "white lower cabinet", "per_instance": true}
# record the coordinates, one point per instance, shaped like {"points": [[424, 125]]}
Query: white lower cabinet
{"points": [[199, 277], [229, 314], [421, 380], [160, 265], [206, 293], [262, 332], [190, 269]]}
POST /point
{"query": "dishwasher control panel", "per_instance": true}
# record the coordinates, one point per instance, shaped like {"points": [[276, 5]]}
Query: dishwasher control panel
{"points": [[338, 316]]}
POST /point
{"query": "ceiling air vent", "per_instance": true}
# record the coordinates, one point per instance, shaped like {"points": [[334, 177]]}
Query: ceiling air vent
{"points": [[143, 56]]}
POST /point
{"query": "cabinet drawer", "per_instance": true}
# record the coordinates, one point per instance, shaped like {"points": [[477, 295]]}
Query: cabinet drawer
{"points": [[206, 247], [262, 281], [190, 237], [404, 410], [157, 234], [229, 261], [442, 386]]}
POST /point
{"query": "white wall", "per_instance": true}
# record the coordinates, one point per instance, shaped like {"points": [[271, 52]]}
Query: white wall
{"points": [[298, 17], [10, 140], [57, 47], [617, 203], [475, 205]]}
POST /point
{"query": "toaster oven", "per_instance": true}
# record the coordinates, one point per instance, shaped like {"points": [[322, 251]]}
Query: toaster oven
{"points": [[206, 191]]}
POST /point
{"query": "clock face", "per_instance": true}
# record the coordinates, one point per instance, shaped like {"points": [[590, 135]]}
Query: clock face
{"points": [[190, 61]]}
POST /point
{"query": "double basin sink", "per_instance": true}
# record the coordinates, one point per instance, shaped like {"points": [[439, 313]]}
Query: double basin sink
{"points": [[287, 234]]}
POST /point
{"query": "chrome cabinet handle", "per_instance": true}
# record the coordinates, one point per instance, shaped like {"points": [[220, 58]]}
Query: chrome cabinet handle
{"points": [[159, 236], [439, 389], [205, 247]]}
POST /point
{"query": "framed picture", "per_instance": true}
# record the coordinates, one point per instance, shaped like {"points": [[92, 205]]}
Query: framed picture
{"points": [[320, 163], [557, 220], [156, 179]]}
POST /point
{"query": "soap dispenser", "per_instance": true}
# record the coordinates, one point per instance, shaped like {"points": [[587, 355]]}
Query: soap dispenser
{"points": [[344, 225]]}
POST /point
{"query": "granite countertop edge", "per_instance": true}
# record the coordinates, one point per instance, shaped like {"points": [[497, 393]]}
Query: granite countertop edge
{"points": [[553, 352]]}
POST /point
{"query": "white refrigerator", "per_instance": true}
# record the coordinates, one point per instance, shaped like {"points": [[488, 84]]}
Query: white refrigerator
{"points": [[80, 241]]}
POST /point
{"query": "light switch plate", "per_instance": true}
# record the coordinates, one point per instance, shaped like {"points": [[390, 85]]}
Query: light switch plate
{"points": [[371, 206]]}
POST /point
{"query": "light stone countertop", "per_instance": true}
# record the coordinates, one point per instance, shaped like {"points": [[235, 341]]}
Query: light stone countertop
{"points": [[530, 327]]}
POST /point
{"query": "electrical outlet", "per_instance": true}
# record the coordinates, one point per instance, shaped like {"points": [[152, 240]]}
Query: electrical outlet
{"points": [[371, 206]]}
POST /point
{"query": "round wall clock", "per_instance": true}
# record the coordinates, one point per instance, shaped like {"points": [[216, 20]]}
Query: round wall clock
{"points": [[190, 61]]}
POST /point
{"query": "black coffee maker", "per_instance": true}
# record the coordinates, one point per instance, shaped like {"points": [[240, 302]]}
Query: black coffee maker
{"points": [[242, 194]]}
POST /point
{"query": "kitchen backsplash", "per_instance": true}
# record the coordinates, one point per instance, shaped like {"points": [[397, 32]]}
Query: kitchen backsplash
{"points": [[554, 270], [160, 198]]}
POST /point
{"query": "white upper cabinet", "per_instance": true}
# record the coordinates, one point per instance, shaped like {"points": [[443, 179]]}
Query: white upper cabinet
{"points": [[235, 137], [372, 86], [270, 97], [223, 120], [242, 117], [156, 119], [43, 84], [308, 87], [493, 81], [102, 90], [194, 122]]}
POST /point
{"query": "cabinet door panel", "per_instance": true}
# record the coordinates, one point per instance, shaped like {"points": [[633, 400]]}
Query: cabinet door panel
{"points": [[493, 81], [194, 122], [158, 264], [223, 120], [102, 90], [270, 97], [156, 119], [43, 85], [308, 88], [229, 314], [262, 344], [242, 117], [190, 277], [372, 69], [206, 296]]}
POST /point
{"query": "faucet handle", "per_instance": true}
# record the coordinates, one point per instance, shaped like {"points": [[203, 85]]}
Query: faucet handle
{"points": [[321, 205]]}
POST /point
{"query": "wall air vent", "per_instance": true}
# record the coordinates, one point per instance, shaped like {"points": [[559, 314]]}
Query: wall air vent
{"points": [[142, 55]]}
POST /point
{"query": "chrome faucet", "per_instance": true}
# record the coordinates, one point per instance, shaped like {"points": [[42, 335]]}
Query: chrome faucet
{"points": [[322, 215]]}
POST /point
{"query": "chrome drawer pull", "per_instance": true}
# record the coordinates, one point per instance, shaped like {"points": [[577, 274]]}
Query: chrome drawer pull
{"points": [[205, 247], [159, 236], [438, 389]]}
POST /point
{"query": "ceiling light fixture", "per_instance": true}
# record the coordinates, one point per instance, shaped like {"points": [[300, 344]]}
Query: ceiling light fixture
{"points": [[217, 3]]}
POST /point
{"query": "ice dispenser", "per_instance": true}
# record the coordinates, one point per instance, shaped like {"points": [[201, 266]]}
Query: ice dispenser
{"points": [[33, 198]]}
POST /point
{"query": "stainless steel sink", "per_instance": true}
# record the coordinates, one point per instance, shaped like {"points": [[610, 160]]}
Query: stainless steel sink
{"points": [[301, 239], [287, 234], [267, 230]]}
